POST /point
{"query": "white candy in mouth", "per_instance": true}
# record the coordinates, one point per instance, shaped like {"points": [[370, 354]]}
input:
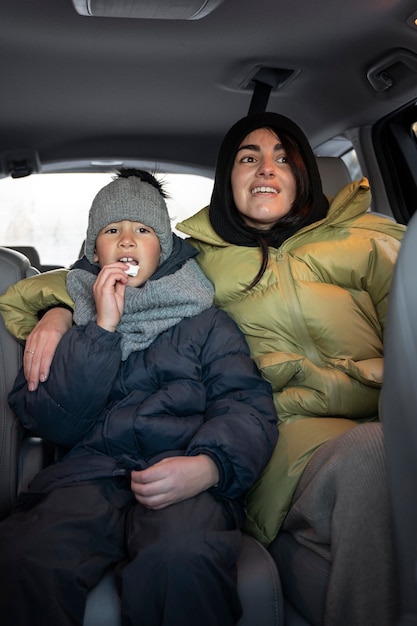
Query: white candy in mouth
{"points": [[133, 270]]}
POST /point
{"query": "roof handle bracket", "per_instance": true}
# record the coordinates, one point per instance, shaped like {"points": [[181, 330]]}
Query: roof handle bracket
{"points": [[19, 163], [264, 80], [379, 76], [260, 97]]}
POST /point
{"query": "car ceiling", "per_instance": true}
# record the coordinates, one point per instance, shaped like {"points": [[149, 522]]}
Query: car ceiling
{"points": [[79, 87]]}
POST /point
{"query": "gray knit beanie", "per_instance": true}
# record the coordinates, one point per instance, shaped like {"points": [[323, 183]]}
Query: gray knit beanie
{"points": [[129, 199]]}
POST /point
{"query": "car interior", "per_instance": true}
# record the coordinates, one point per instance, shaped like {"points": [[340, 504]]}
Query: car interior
{"points": [[91, 86]]}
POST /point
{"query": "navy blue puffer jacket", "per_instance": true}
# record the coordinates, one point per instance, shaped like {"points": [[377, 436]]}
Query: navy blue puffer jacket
{"points": [[195, 390]]}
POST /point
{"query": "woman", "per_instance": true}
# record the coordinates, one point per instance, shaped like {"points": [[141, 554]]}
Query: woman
{"points": [[308, 284]]}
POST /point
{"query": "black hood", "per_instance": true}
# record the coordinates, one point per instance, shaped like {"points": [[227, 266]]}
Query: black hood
{"points": [[223, 213]]}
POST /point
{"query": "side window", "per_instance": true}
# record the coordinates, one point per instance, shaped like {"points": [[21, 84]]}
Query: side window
{"points": [[395, 141], [49, 212]]}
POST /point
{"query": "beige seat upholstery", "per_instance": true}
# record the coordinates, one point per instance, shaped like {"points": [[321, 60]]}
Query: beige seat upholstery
{"points": [[334, 174]]}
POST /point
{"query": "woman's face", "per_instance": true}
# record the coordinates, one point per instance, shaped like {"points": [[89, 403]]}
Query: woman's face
{"points": [[262, 181]]}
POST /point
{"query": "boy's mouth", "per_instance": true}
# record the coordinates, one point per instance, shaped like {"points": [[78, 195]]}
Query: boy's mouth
{"points": [[132, 263], [129, 259]]}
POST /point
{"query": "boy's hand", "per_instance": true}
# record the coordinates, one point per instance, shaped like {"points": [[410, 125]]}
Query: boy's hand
{"points": [[173, 479], [109, 295], [41, 345]]}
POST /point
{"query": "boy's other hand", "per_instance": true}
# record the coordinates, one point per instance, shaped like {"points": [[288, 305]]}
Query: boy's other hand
{"points": [[174, 479]]}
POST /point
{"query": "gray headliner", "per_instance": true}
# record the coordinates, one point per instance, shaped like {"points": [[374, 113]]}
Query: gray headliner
{"points": [[84, 87]]}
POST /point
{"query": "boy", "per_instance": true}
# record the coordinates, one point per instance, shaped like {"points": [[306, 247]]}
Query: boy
{"points": [[165, 421]]}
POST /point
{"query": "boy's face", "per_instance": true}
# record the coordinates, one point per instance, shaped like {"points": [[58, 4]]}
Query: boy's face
{"points": [[129, 242]]}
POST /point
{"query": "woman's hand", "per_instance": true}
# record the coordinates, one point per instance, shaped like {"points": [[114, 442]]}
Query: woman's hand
{"points": [[174, 479], [41, 345], [109, 295]]}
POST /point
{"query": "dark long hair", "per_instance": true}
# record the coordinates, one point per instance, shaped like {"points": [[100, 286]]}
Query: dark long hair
{"points": [[309, 206]]}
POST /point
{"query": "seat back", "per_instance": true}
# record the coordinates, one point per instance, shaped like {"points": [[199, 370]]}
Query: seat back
{"points": [[32, 254], [398, 411], [334, 174], [13, 267]]}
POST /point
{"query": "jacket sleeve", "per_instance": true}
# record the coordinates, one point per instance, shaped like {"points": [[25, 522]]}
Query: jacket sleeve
{"points": [[66, 406], [240, 428], [21, 302]]}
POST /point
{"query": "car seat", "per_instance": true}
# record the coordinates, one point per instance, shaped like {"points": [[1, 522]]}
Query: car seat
{"points": [[13, 267], [398, 412], [21, 456], [334, 175], [33, 255]]}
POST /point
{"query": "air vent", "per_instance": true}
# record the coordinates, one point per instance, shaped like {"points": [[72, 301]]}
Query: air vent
{"points": [[147, 9]]}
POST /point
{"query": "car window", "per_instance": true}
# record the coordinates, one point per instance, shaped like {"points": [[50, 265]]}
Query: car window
{"points": [[352, 162], [395, 144], [50, 211]]}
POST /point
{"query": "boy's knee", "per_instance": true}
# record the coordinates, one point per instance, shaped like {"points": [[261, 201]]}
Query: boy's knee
{"points": [[195, 552], [26, 546], [17, 556], [176, 549], [179, 554]]}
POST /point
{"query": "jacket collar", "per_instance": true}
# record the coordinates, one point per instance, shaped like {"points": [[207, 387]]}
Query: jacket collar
{"points": [[351, 201]]}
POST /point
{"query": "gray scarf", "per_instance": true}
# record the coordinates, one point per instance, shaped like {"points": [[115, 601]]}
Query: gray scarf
{"points": [[149, 310]]}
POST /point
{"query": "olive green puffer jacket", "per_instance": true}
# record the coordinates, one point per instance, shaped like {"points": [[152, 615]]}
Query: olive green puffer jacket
{"points": [[314, 324]]}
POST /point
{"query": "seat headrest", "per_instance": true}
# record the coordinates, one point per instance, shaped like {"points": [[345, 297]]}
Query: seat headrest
{"points": [[30, 252], [13, 267], [334, 174]]}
